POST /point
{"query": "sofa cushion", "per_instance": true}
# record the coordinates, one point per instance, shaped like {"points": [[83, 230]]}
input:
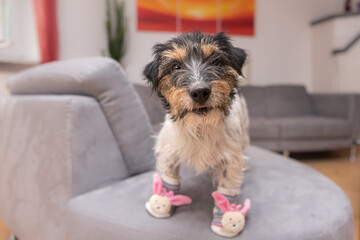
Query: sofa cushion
{"points": [[262, 128], [287, 101], [255, 101], [313, 127]]}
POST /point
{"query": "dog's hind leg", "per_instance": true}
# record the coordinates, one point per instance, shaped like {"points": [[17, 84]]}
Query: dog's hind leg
{"points": [[229, 177]]}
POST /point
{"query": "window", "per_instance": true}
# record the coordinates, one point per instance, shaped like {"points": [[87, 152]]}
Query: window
{"points": [[5, 23]]}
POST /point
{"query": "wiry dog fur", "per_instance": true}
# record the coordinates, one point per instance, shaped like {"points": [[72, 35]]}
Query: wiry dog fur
{"points": [[211, 134]]}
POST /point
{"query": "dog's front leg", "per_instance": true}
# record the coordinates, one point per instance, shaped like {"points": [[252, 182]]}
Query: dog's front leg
{"points": [[229, 177], [168, 165], [166, 188], [167, 158], [165, 198]]}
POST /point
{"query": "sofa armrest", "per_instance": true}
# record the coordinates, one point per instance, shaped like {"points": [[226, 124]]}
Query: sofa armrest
{"points": [[51, 149], [345, 106]]}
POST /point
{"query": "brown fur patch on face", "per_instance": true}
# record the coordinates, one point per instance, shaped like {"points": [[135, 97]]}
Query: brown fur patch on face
{"points": [[166, 87], [232, 76], [220, 93], [176, 53], [178, 98], [222, 89], [180, 102], [208, 49]]}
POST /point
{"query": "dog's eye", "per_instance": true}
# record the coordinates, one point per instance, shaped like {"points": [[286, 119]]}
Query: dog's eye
{"points": [[175, 67], [215, 62]]}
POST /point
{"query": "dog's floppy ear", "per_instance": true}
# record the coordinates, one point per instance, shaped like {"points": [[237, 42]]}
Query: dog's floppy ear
{"points": [[151, 72], [238, 58]]}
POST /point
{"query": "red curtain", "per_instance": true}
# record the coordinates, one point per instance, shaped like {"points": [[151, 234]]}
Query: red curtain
{"points": [[46, 23]]}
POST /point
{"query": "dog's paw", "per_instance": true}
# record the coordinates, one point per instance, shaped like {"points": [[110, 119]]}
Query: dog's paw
{"points": [[158, 209], [228, 218], [163, 202]]}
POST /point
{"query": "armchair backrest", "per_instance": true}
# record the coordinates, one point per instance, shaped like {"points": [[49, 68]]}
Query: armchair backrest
{"points": [[105, 80]]}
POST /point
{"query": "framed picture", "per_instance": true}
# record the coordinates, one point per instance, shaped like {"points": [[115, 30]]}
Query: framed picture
{"points": [[234, 16]]}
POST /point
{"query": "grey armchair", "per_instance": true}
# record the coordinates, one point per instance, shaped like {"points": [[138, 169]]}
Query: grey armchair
{"points": [[77, 163]]}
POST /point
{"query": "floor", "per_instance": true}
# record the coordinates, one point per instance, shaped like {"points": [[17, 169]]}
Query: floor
{"points": [[346, 174], [335, 165], [4, 232]]}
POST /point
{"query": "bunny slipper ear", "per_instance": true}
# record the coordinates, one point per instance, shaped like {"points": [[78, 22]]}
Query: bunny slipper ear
{"points": [[179, 200], [157, 184], [221, 201], [246, 207]]}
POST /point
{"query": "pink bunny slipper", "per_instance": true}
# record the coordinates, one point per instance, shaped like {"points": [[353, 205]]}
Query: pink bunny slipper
{"points": [[161, 202], [229, 219]]}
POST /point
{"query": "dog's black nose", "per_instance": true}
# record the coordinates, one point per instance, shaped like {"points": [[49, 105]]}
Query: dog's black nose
{"points": [[200, 94]]}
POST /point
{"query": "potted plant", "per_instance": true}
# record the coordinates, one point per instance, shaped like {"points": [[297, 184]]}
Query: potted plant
{"points": [[115, 29]]}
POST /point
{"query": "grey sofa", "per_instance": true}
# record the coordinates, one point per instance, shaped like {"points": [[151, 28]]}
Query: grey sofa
{"points": [[77, 163], [288, 118]]}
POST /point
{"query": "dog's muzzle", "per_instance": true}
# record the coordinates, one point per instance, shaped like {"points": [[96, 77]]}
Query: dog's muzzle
{"points": [[200, 93]]}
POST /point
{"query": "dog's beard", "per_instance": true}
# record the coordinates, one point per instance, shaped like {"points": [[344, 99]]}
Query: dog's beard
{"points": [[202, 129], [179, 104], [203, 117], [202, 112]]}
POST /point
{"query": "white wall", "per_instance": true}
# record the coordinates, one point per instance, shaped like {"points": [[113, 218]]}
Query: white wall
{"points": [[81, 28], [340, 72], [24, 47], [280, 50]]}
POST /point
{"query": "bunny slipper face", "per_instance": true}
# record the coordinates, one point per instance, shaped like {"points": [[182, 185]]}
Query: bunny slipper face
{"points": [[233, 221], [160, 204]]}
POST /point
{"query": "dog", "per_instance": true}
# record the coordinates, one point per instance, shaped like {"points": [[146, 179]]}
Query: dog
{"points": [[206, 126]]}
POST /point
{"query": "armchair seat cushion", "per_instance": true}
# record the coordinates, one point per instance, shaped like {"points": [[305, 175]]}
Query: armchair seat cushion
{"points": [[313, 127], [285, 205]]}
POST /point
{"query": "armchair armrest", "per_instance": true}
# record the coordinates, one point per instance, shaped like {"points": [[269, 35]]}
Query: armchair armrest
{"points": [[346, 106], [51, 149]]}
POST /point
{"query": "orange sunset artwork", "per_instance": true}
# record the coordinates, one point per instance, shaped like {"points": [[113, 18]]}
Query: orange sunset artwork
{"points": [[234, 16]]}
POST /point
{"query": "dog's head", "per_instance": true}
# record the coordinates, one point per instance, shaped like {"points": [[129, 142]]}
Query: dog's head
{"points": [[196, 74]]}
